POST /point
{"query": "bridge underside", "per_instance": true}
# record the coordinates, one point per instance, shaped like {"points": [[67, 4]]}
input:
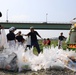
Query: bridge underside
{"points": [[48, 26]]}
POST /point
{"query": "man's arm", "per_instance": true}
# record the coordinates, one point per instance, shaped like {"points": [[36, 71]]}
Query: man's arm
{"points": [[64, 37], [26, 34], [38, 35]]}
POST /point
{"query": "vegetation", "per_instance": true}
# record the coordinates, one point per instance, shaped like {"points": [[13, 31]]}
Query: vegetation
{"points": [[53, 42]]}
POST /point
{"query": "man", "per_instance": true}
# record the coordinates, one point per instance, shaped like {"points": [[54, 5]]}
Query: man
{"points": [[48, 42], [60, 40], [19, 38], [2, 41], [11, 37], [34, 42]]}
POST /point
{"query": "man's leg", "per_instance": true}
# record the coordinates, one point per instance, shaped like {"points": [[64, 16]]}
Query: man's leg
{"points": [[37, 47]]}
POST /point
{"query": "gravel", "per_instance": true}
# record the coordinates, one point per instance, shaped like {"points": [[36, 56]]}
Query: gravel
{"points": [[41, 72]]}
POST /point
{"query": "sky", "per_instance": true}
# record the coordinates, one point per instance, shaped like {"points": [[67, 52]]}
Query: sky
{"points": [[61, 11], [38, 10]]}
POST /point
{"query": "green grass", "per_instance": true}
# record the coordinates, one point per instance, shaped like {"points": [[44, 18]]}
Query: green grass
{"points": [[53, 42]]}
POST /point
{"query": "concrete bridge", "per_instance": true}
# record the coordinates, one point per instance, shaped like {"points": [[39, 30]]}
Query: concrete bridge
{"points": [[48, 26]]}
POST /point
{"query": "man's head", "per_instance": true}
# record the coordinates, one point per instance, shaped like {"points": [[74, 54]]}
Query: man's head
{"points": [[31, 28], [12, 29], [19, 32], [61, 33]]}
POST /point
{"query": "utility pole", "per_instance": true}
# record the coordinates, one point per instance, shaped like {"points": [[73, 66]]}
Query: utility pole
{"points": [[46, 17], [7, 16]]}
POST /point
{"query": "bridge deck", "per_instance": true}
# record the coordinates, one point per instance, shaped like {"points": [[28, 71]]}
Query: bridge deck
{"points": [[50, 26]]}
